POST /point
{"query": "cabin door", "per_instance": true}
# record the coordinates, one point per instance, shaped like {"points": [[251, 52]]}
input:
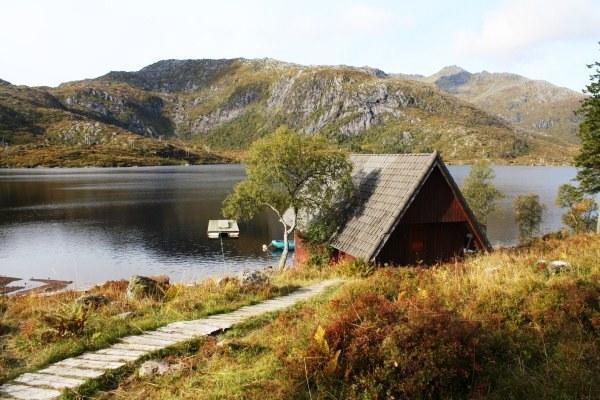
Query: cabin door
{"points": [[416, 243]]}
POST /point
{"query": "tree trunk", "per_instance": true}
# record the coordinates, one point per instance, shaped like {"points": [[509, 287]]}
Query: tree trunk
{"points": [[285, 252], [286, 232]]}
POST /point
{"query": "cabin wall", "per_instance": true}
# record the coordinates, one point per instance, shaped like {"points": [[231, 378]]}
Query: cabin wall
{"points": [[433, 229], [301, 252], [425, 243], [435, 202], [340, 256]]}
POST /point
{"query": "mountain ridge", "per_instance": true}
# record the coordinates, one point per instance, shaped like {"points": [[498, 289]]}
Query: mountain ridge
{"points": [[533, 105], [214, 107]]}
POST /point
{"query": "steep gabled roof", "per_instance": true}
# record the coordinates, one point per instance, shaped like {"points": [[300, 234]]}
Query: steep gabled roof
{"points": [[385, 186]]}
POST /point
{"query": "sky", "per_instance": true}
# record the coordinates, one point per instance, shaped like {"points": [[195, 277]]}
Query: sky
{"points": [[49, 42]]}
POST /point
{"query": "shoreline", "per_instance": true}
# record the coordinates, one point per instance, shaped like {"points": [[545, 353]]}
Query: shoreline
{"points": [[92, 167], [49, 287]]}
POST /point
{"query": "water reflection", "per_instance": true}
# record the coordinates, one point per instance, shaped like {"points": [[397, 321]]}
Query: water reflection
{"points": [[90, 225], [515, 180]]}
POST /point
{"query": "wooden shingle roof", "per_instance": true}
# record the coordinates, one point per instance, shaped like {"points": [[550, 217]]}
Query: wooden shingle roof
{"points": [[385, 185]]}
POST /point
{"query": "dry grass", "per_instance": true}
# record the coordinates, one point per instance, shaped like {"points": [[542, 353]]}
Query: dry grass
{"points": [[33, 333], [496, 326]]}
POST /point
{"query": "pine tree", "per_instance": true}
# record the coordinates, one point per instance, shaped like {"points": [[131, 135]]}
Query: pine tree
{"points": [[588, 159]]}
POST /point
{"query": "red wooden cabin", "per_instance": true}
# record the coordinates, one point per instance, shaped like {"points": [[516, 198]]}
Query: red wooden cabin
{"points": [[406, 209]]}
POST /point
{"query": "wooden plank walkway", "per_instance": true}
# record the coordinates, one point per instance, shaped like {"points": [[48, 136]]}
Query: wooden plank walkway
{"points": [[48, 383]]}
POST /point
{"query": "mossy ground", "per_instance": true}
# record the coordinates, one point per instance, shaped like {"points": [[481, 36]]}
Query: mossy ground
{"points": [[494, 326]]}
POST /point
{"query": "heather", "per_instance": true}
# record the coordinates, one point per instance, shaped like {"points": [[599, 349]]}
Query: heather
{"points": [[503, 325]]}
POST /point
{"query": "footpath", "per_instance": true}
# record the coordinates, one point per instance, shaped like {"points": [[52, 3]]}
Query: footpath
{"points": [[48, 383]]}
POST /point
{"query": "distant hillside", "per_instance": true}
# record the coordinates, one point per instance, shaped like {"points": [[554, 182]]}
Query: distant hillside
{"points": [[37, 129], [177, 111], [532, 105]]}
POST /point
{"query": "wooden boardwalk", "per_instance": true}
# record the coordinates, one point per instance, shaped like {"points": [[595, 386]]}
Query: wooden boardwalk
{"points": [[48, 383]]}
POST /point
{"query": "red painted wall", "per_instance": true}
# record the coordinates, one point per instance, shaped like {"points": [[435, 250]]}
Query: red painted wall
{"points": [[301, 252]]}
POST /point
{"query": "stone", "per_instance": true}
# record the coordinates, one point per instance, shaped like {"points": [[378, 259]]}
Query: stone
{"points": [[93, 300], [125, 315], [253, 278], [161, 279], [141, 287], [558, 265], [228, 280], [152, 368]]}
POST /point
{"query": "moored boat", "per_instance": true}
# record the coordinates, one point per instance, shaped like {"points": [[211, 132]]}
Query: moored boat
{"points": [[279, 244]]}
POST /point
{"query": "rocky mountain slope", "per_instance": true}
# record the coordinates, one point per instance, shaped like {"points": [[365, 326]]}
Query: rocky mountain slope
{"points": [[39, 129], [532, 105], [177, 111]]}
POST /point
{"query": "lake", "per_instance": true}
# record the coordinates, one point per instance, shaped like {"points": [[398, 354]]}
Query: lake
{"points": [[90, 225]]}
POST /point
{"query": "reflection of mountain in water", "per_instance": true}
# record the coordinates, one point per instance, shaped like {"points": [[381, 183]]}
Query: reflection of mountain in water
{"points": [[89, 225], [161, 212]]}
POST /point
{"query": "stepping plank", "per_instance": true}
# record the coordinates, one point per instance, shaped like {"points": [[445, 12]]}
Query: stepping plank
{"points": [[199, 325], [136, 347], [55, 382], [228, 317], [170, 336], [242, 312], [122, 352], [89, 364], [72, 372], [23, 392], [148, 341], [219, 323], [181, 330], [107, 357]]}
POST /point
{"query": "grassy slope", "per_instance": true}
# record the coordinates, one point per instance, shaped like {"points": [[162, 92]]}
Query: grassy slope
{"points": [[494, 327]]}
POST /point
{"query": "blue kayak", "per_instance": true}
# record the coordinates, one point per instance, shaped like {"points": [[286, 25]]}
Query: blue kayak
{"points": [[278, 244]]}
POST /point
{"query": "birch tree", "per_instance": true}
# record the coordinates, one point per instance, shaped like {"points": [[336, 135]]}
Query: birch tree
{"points": [[287, 171]]}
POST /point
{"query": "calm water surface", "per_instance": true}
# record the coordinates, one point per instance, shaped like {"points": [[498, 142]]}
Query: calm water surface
{"points": [[90, 225]]}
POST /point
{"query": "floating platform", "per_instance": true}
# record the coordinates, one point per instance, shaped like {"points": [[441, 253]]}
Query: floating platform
{"points": [[227, 228]]}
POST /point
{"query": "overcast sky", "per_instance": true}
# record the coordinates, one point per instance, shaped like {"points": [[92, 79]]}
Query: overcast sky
{"points": [[48, 42]]}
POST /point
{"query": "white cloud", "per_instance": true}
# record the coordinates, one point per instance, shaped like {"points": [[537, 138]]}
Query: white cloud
{"points": [[520, 24], [370, 19]]}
